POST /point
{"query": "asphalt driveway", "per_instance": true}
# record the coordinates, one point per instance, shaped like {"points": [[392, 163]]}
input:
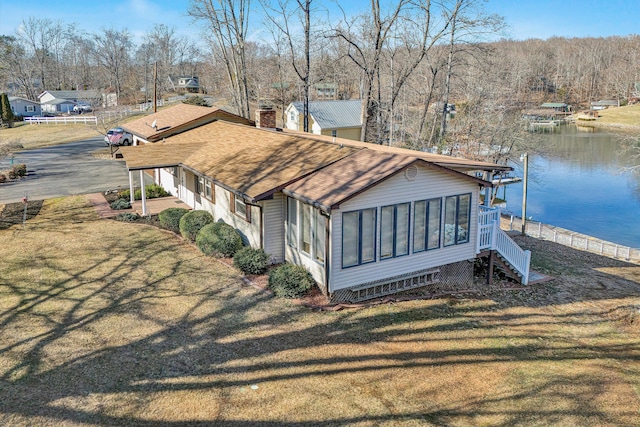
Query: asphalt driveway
{"points": [[64, 170]]}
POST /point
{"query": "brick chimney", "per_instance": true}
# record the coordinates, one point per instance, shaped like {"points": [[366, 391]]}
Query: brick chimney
{"points": [[266, 118]]}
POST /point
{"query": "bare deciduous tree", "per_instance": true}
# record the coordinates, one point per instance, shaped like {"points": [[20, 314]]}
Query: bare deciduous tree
{"points": [[111, 51], [281, 17], [227, 22]]}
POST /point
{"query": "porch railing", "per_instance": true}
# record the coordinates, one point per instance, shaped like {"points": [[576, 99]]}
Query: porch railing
{"points": [[491, 236]]}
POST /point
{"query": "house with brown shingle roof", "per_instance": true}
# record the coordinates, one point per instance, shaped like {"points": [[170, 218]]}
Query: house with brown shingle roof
{"points": [[364, 220], [175, 119]]}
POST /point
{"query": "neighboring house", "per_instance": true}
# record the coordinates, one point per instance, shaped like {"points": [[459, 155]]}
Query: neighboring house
{"points": [[604, 104], [57, 106], [326, 91], [176, 119], [365, 220], [184, 83], [559, 107], [89, 97], [23, 107], [341, 119], [63, 101]]}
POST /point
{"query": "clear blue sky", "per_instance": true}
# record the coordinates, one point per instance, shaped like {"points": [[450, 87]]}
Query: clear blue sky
{"points": [[526, 18]]}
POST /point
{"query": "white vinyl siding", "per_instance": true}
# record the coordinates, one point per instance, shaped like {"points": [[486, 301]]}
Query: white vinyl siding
{"points": [[428, 184], [169, 181]]}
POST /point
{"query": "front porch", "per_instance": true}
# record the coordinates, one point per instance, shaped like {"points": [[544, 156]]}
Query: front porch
{"points": [[155, 206]]}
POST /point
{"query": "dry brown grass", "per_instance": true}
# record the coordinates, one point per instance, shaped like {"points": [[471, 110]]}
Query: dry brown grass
{"points": [[36, 136], [623, 117], [106, 323]]}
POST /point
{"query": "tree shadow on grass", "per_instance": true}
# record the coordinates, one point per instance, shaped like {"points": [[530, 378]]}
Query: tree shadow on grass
{"points": [[101, 343], [13, 213]]}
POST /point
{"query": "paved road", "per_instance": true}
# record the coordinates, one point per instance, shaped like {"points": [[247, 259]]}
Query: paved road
{"points": [[64, 170]]}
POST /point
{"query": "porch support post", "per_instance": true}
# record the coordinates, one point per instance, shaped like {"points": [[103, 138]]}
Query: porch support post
{"points": [[492, 255], [131, 194], [143, 192]]}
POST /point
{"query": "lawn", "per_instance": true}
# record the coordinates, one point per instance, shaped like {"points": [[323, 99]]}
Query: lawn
{"points": [[625, 117], [36, 136], [105, 323]]}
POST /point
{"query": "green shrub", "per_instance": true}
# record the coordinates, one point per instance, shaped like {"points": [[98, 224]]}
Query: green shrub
{"points": [[124, 194], [120, 204], [219, 239], [127, 217], [192, 222], [152, 191], [251, 260], [290, 281], [170, 218], [20, 170]]}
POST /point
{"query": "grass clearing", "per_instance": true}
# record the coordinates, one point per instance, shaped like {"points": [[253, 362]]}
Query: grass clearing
{"points": [[107, 323], [44, 135], [627, 116]]}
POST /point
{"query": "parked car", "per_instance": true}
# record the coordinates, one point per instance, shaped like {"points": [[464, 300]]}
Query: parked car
{"points": [[82, 108], [117, 136]]}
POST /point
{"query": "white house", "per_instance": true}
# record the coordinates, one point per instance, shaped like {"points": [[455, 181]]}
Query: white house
{"points": [[364, 219], [341, 119], [189, 84], [23, 107], [63, 101]]}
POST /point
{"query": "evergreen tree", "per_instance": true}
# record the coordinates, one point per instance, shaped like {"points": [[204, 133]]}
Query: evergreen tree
{"points": [[5, 110]]}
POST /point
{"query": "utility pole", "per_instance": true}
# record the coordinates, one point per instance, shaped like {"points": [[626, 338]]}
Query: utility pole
{"points": [[155, 89], [525, 162]]}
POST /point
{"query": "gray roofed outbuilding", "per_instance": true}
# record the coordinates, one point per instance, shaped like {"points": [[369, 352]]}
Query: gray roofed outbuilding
{"points": [[334, 114]]}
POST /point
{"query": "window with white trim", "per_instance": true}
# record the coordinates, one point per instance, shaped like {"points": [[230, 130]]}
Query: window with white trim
{"points": [[30, 108], [394, 230], [457, 219], [426, 224], [358, 237], [306, 229]]}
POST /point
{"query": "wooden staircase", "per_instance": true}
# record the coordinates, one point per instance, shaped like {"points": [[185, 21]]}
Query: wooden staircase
{"points": [[509, 257]]}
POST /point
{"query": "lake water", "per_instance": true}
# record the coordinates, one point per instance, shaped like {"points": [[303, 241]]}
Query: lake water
{"points": [[577, 184]]}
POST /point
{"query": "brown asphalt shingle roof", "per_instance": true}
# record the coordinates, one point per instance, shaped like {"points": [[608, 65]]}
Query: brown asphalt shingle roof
{"points": [[259, 162], [456, 163], [178, 118], [250, 161], [354, 174]]}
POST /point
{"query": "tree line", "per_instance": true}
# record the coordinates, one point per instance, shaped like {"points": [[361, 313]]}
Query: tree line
{"points": [[408, 62]]}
